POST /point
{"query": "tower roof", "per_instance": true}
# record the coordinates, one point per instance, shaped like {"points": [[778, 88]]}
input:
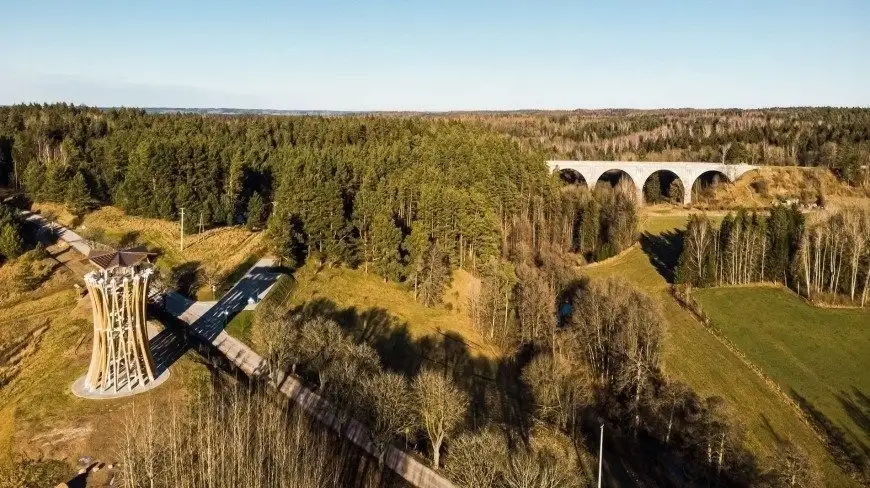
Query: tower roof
{"points": [[125, 258]]}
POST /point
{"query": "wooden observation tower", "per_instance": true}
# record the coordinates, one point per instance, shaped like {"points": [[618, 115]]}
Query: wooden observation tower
{"points": [[121, 358]]}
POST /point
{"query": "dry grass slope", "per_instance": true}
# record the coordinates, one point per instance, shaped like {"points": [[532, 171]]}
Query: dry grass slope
{"points": [[217, 252], [349, 288], [45, 340]]}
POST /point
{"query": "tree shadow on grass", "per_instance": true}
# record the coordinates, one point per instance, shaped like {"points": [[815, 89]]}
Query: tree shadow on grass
{"points": [[857, 407], [853, 458], [664, 251], [497, 392]]}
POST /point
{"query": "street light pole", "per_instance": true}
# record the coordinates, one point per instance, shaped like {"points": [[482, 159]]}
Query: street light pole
{"points": [[600, 455], [182, 228]]}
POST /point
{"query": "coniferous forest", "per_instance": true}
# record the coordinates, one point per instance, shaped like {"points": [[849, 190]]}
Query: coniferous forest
{"points": [[413, 198], [834, 138]]}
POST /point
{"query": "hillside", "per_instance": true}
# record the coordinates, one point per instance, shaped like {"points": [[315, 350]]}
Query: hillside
{"points": [[214, 257], [45, 337], [771, 184], [386, 315], [693, 355], [816, 355]]}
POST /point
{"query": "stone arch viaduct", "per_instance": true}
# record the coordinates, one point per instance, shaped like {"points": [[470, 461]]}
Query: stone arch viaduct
{"points": [[640, 171]]}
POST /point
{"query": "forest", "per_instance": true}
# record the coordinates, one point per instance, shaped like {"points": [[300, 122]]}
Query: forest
{"points": [[414, 198], [823, 256], [834, 138]]}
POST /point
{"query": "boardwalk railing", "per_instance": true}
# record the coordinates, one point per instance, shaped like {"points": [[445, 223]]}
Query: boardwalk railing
{"points": [[253, 365]]}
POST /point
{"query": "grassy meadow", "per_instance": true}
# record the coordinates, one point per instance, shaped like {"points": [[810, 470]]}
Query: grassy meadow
{"points": [[696, 357], [815, 354], [220, 254], [240, 326], [367, 301]]}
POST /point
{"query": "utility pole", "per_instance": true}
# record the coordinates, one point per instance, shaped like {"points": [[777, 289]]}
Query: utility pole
{"points": [[600, 455], [201, 225], [182, 228]]}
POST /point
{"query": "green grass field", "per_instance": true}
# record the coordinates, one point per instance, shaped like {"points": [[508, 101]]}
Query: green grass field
{"points": [[696, 357], [817, 354]]}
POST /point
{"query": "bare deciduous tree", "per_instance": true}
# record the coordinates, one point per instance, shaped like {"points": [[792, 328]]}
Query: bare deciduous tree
{"points": [[228, 437], [441, 407], [389, 408]]}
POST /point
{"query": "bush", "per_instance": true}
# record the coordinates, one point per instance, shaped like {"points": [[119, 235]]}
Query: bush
{"points": [[31, 272], [11, 245], [760, 186], [25, 472]]}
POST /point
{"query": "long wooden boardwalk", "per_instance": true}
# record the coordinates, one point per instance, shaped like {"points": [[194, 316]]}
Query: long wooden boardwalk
{"points": [[206, 320], [254, 365]]}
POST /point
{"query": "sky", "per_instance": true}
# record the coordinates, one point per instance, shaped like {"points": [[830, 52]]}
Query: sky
{"points": [[436, 55]]}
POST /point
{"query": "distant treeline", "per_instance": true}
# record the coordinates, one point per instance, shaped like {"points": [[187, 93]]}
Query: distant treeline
{"points": [[836, 138]]}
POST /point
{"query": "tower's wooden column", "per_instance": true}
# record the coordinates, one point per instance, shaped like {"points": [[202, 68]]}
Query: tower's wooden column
{"points": [[121, 358]]}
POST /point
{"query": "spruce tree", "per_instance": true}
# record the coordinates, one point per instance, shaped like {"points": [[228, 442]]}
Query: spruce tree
{"points": [[652, 191], [256, 212], [78, 198], [10, 241], [386, 241]]}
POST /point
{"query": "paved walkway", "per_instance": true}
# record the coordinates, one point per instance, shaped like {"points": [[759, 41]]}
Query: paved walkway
{"points": [[74, 240], [208, 319]]}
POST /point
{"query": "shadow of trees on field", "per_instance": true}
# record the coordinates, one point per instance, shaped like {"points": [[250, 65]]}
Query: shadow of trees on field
{"points": [[186, 278], [664, 251], [851, 453], [857, 405], [495, 387], [351, 465], [169, 344]]}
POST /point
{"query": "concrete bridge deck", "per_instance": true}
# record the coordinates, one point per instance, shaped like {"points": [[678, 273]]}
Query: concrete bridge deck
{"points": [[640, 171]]}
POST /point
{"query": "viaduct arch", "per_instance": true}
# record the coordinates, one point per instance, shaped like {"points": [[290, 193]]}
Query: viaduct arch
{"points": [[640, 171]]}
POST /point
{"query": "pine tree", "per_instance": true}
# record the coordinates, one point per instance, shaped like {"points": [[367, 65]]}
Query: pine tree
{"points": [[256, 212], [10, 241], [386, 241], [78, 197], [590, 227], [652, 191], [6, 165], [675, 191]]}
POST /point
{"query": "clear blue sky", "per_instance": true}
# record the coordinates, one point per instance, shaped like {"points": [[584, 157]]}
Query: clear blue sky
{"points": [[437, 54]]}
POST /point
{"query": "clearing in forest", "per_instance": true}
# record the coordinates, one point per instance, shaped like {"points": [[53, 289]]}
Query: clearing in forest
{"points": [[385, 312], [693, 355], [817, 355]]}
